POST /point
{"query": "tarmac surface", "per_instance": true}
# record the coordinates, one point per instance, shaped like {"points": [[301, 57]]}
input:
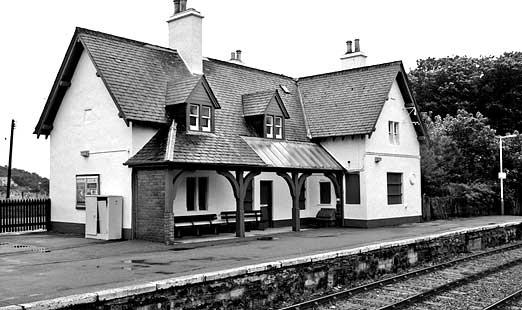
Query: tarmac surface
{"points": [[41, 266]]}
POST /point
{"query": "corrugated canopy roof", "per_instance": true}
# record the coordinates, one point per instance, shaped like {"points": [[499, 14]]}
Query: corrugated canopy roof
{"points": [[293, 155]]}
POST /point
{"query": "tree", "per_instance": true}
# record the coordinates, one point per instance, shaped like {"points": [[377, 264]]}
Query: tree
{"points": [[489, 85], [461, 159]]}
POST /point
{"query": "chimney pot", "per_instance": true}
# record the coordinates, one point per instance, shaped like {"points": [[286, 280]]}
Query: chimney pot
{"points": [[176, 6], [232, 56], [182, 5], [349, 47], [238, 55], [357, 46]]}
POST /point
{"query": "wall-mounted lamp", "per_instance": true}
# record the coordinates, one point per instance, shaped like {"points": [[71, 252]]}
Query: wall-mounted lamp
{"points": [[85, 153], [378, 159]]}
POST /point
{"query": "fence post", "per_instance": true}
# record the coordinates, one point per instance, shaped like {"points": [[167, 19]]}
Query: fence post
{"points": [[48, 214]]}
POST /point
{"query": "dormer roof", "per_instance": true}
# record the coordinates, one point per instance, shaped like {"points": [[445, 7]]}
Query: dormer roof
{"points": [[258, 103], [186, 88]]}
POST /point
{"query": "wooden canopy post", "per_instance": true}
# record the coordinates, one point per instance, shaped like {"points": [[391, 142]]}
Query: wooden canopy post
{"points": [[295, 184], [239, 184], [337, 180]]}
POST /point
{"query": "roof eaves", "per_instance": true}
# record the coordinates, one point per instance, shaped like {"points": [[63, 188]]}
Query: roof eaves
{"points": [[66, 63], [383, 100], [100, 73], [281, 104]]}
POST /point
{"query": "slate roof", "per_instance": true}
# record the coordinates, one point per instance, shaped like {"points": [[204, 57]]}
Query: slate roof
{"points": [[180, 89], [226, 146], [347, 102], [256, 103], [136, 73], [142, 79]]}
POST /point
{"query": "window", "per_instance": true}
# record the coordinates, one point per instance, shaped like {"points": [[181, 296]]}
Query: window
{"points": [[278, 128], [269, 124], [325, 193], [205, 118], [353, 188], [197, 193], [393, 132], [274, 126], [200, 118], [86, 185], [194, 117], [394, 188]]}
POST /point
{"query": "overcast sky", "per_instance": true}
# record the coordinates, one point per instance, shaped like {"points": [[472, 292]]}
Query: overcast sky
{"points": [[292, 37]]}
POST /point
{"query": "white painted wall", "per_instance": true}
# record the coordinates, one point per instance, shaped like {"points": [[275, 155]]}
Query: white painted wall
{"points": [[88, 120], [358, 154], [401, 158], [140, 136], [221, 198], [313, 204], [394, 110], [220, 195]]}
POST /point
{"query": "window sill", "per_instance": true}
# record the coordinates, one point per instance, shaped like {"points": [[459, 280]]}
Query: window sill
{"points": [[200, 133]]}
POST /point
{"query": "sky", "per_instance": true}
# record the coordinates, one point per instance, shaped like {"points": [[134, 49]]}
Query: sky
{"points": [[291, 37]]}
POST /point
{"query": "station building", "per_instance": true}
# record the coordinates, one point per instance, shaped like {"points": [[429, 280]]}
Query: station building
{"points": [[177, 134]]}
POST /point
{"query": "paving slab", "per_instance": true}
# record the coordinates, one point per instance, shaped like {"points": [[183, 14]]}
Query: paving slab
{"points": [[74, 265]]}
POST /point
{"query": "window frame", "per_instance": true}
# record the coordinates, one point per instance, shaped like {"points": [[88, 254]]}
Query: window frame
{"points": [[321, 201], [273, 127], [393, 132], [199, 118], [79, 204], [196, 203], [391, 196]]}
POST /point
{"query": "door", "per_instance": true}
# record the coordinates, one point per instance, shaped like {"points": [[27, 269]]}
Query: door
{"points": [[265, 200]]}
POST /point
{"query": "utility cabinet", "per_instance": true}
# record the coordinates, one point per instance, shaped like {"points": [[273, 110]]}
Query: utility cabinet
{"points": [[103, 217]]}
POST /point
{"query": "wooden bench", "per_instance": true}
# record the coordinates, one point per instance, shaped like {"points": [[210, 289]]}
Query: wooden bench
{"points": [[325, 216], [252, 219], [195, 223]]}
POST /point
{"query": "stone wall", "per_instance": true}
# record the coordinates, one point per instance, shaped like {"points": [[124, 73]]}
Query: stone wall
{"points": [[271, 285]]}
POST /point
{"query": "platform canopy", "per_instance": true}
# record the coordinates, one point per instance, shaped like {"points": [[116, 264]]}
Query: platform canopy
{"points": [[292, 155]]}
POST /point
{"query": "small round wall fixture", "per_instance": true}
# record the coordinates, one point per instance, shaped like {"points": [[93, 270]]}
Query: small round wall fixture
{"points": [[413, 178]]}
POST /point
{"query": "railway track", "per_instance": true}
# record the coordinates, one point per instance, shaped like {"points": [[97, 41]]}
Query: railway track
{"points": [[433, 287]]}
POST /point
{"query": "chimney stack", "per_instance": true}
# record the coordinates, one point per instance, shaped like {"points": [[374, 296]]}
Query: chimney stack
{"points": [[186, 35], [357, 46], [348, 47], [235, 57], [354, 59]]}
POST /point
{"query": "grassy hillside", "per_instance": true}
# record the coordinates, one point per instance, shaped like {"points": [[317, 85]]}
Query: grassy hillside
{"points": [[27, 179]]}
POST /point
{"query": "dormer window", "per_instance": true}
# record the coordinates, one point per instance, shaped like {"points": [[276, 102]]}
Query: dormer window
{"points": [[269, 127], [200, 117], [278, 128], [273, 127], [266, 113]]}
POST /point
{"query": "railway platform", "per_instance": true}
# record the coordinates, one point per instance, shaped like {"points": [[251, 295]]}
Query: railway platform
{"points": [[36, 268]]}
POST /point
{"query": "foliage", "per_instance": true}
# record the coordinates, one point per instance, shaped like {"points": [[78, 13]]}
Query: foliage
{"points": [[489, 85], [461, 160], [27, 179]]}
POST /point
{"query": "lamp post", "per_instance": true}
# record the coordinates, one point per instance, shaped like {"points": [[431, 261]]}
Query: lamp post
{"points": [[502, 174]]}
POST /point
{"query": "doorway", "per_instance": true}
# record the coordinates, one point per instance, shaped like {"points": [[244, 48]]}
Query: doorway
{"points": [[265, 200]]}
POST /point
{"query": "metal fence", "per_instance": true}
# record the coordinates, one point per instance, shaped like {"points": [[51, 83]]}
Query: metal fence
{"points": [[17, 215]]}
